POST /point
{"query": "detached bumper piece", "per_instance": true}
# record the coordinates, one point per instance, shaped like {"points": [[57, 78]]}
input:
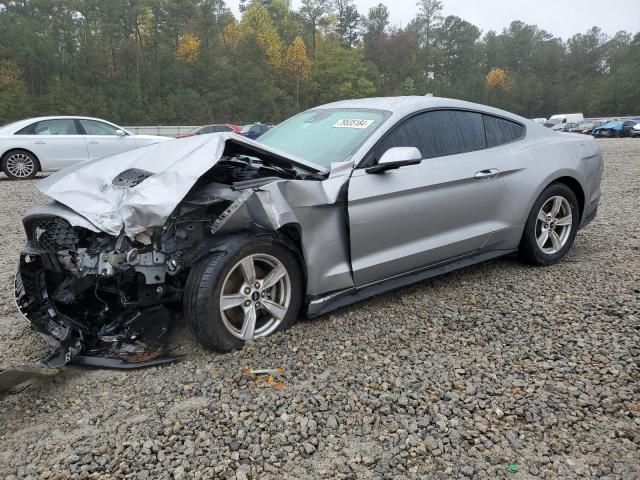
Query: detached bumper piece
{"points": [[88, 331]]}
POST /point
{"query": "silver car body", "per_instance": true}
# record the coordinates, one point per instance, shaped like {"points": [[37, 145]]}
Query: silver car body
{"points": [[359, 233], [55, 150]]}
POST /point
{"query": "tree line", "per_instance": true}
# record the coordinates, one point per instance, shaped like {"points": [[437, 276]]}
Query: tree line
{"points": [[194, 62]]}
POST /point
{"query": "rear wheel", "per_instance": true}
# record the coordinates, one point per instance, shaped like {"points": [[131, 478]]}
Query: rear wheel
{"points": [[249, 293], [20, 165], [551, 227]]}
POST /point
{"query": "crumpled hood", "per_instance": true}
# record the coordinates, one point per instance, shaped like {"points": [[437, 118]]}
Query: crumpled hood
{"points": [[172, 167]]}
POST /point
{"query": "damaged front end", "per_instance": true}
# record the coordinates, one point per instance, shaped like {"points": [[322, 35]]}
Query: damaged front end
{"points": [[106, 299], [91, 295]]}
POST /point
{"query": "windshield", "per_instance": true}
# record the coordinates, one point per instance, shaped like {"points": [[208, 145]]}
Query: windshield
{"points": [[555, 121], [246, 128], [324, 136]]}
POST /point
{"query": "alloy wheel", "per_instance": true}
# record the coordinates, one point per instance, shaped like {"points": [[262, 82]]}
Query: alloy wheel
{"points": [[20, 165], [553, 225], [255, 296]]}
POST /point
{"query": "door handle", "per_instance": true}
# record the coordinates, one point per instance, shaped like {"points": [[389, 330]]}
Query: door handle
{"points": [[487, 174], [41, 142], [94, 142]]}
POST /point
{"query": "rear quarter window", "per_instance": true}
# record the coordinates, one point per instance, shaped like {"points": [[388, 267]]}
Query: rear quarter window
{"points": [[500, 131]]}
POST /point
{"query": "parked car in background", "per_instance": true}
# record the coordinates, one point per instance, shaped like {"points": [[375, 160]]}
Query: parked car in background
{"points": [[557, 122], [627, 127], [47, 144], [609, 129], [635, 131], [206, 129], [539, 121], [335, 205], [566, 127], [254, 130], [586, 127]]}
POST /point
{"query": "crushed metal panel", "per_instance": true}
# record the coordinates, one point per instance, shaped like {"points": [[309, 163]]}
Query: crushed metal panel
{"points": [[174, 168]]}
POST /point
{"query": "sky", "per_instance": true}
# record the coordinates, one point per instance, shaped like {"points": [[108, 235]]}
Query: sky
{"points": [[562, 18]]}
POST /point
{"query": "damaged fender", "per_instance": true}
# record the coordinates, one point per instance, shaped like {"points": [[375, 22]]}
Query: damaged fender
{"points": [[105, 263]]}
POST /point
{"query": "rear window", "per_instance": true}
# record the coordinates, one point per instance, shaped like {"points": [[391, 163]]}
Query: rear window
{"points": [[500, 131]]}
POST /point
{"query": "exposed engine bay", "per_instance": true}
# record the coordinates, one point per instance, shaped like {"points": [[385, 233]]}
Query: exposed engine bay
{"points": [[106, 300]]}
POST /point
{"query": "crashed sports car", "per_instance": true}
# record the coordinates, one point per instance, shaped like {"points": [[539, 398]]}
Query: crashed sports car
{"points": [[332, 206]]}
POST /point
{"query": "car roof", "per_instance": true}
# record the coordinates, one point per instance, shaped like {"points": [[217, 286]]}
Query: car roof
{"points": [[56, 117], [402, 106], [15, 126]]}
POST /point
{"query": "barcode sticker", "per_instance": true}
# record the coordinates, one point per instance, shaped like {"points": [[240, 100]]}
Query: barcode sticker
{"points": [[352, 123]]}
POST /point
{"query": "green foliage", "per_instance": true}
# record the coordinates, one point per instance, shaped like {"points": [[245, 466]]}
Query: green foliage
{"points": [[191, 61], [340, 73]]}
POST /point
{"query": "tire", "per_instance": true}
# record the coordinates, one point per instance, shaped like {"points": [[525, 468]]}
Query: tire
{"points": [[226, 330], [558, 240], [20, 165]]}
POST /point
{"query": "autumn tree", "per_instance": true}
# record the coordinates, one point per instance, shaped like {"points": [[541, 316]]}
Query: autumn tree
{"points": [[188, 48], [296, 64], [256, 20], [498, 80]]}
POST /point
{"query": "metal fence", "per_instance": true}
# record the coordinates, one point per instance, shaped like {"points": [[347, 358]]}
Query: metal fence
{"points": [[164, 130]]}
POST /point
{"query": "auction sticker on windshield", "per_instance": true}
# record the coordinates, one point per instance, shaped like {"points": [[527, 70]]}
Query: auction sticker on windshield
{"points": [[352, 123]]}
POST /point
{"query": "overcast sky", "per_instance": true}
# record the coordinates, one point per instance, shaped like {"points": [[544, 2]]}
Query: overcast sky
{"points": [[562, 18]]}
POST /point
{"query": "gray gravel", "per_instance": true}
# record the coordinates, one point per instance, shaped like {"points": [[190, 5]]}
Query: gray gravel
{"points": [[463, 376]]}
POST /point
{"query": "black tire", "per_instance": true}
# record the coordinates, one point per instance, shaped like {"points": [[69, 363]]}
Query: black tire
{"points": [[30, 156], [204, 286], [529, 250]]}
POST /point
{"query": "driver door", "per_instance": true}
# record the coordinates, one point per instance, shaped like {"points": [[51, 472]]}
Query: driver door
{"points": [[420, 215]]}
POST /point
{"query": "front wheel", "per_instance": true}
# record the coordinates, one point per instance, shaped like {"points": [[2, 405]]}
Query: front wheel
{"points": [[242, 295], [551, 226], [20, 165]]}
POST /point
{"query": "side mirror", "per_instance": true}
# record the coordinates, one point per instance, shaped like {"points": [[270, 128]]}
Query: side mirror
{"points": [[396, 157], [120, 133]]}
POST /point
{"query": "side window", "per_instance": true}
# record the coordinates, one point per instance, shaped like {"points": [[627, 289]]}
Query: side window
{"points": [[93, 127], [500, 131], [437, 134], [62, 126]]}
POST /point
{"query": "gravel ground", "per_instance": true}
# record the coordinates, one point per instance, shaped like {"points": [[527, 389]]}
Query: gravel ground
{"points": [[494, 367]]}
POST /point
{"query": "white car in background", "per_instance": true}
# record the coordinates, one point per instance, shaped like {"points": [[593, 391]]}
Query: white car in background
{"points": [[47, 144]]}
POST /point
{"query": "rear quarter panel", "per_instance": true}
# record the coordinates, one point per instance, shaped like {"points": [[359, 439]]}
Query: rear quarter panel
{"points": [[541, 158]]}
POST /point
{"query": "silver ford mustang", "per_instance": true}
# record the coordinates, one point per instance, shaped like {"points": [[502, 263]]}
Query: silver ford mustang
{"points": [[332, 206]]}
